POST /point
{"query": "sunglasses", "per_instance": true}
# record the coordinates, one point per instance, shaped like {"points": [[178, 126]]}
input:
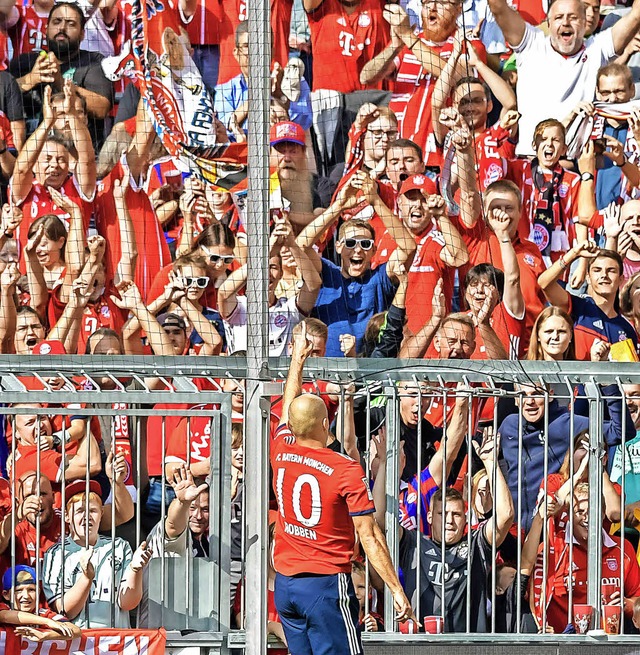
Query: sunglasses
{"points": [[214, 259], [200, 282], [365, 244]]}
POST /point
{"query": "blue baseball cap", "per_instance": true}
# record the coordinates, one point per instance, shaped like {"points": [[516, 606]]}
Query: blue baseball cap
{"points": [[23, 575]]}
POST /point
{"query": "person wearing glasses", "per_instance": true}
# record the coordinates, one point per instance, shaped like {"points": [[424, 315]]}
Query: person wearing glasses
{"points": [[574, 61], [353, 292], [284, 313], [415, 61]]}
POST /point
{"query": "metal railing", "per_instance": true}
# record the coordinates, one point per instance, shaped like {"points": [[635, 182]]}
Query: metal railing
{"points": [[193, 593]]}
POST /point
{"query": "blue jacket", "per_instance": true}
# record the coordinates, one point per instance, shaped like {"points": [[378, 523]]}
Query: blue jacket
{"points": [[559, 436]]}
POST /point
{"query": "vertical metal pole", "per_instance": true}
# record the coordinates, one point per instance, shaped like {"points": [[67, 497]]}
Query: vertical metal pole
{"points": [[393, 484], [257, 441], [594, 567]]}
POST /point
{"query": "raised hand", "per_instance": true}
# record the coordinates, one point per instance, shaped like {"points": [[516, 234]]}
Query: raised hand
{"points": [[85, 563], [366, 114], [130, 297], [34, 240], [116, 467], [615, 151], [600, 351], [612, 225], [141, 557], [348, 345], [64, 202], [397, 17], [97, 246], [499, 221], [487, 450], [11, 219], [183, 485], [439, 303], [302, 345], [510, 119], [10, 276]]}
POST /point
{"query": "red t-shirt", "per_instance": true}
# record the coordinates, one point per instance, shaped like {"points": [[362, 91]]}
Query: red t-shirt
{"points": [[493, 151], [26, 539], [412, 91], [559, 578], [39, 203], [102, 313], [343, 43], [425, 271], [153, 252], [318, 491], [29, 32]]}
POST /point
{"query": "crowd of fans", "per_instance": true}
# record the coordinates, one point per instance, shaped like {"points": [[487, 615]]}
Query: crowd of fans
{"points": [[446, 182]]}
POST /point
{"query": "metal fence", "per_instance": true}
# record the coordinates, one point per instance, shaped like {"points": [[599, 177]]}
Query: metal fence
{"points": [[193, 593]]}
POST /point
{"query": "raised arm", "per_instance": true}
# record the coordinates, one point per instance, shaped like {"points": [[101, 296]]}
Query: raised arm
{"points": [[443, 89], [38, 293], [502, 500], [512, 297], [228, 291], [22, 180], [85, 169], [500, 88], [548, 280], [8, 280], [416, 345], [397, 18], [509, 21], [470, 198], [626, 28], [345, 423], [494, 348], [203, 326], [128, 247], [382, 65], [455, 251], [454, 438], [131, 300], [302, 347], [116, 468], [186, 492]]}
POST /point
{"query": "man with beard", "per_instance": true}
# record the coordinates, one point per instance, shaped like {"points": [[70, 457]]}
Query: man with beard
{"points": [[416, 61], [301, 190], [65, 60], [556, 72]]}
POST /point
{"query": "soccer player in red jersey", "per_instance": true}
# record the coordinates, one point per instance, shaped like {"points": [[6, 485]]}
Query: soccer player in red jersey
{"points": [[321, 496]]}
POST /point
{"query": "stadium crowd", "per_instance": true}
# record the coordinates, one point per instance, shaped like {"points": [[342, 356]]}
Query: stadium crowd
{"points": [[448, 181]]}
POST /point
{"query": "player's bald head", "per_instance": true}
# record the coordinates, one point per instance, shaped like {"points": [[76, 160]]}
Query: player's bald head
{"points": [[308, 417]]}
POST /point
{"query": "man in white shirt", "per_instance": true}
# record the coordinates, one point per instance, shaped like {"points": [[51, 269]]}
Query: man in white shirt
{"points": [[557, 71]]}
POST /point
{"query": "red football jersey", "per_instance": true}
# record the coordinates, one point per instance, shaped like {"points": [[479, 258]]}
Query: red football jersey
{"points": [[425, 271], [102, 313], [204, 26], [343, 43], [26, 539], [411, 100], [318, 491], [559, 577], [39, 202], [153, 252], [28, 34], [191, 439]]}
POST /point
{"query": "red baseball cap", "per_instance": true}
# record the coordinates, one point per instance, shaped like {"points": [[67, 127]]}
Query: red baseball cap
{"points": [[80, 486], [286, 131], [51, 347], [421, 182]]}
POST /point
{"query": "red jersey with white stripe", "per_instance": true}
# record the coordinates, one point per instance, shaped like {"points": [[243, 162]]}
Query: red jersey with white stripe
{"points": [[203, 27], [411, 100], [493, 151], [39, 202], [560, 576], [426, 269], [28, 34], [153, 252], [343, 43], [234, 12], [318, 491], [101, 314]]}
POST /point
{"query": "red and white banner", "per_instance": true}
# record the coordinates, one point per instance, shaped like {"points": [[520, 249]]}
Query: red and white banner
{"points": [[92, 642], [180, 106]]}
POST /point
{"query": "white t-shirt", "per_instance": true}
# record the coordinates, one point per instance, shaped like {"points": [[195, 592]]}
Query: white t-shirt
{"points": [[97, 610], [283, 317], [550, 85]]}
